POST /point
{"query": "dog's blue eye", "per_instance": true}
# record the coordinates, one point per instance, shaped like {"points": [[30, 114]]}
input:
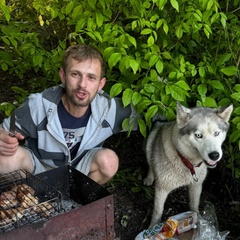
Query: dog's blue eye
{"points": [[198, 135], [216, 134]]}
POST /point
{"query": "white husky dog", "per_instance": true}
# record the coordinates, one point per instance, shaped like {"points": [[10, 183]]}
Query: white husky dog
{"points": [[179, 153]]}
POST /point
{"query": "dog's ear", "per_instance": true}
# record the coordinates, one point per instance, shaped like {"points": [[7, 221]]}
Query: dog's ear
{"points": [[225, 113], [183, 114]]}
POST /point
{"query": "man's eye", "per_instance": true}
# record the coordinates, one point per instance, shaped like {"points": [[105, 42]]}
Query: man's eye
{"points": [[92, 78], [74, 74]]}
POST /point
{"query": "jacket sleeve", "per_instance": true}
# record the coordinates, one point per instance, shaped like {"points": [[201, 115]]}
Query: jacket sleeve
{"points": [[123, 113]]}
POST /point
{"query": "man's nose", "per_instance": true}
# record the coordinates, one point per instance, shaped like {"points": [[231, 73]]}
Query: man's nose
{"points": [[82, 81]]}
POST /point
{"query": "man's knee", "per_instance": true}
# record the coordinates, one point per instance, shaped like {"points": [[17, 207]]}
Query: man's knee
{"points": [[106, 163], [109, 162]]}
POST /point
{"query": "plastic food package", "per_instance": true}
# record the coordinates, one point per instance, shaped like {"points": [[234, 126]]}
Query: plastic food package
{"points": [[174, 225], [206, 225]]}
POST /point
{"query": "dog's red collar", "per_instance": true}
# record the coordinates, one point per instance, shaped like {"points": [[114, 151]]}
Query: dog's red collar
{"points": [[190, 166]]}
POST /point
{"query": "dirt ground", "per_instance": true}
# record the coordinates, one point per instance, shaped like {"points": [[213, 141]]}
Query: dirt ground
{"points": [[133, 204]]}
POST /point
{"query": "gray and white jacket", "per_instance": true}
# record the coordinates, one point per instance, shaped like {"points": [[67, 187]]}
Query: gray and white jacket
{"points": [[37, 119]]}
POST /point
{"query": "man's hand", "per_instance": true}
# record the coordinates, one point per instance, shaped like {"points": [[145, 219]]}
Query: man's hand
{"points": [[8, 144]]}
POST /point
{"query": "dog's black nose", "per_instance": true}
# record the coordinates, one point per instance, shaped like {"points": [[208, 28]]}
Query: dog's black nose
{"points": [[214, 155]]}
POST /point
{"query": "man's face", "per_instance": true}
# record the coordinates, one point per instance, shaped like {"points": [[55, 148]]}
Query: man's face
{"points": [[82, 81]]}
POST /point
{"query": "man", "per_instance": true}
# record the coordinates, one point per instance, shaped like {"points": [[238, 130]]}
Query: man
{"points": [[67, 124]]}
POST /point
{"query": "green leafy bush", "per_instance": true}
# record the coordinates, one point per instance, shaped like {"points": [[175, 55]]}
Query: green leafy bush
{"points": [[157, 52]]}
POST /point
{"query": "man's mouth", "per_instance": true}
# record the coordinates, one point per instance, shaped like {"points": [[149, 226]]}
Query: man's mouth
{"points": [[81, 94]]}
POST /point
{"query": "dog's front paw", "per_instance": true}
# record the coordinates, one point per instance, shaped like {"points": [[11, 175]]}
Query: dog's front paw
{"points": [[148, 181]]}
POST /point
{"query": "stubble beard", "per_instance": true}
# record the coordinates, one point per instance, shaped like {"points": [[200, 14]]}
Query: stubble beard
{"points": [[79, 102]]}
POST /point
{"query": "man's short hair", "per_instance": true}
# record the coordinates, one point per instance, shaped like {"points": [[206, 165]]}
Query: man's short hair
{"points": [[81, 53]]}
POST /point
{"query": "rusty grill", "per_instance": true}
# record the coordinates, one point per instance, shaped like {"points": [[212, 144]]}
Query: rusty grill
{"points": [[24, 199], [58, 204]]}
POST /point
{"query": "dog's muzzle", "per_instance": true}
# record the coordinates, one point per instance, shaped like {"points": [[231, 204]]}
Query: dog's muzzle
{"points": [[215, 157]]}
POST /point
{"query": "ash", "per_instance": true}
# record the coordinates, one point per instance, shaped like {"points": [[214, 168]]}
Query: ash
{"points": [[68, 205]]}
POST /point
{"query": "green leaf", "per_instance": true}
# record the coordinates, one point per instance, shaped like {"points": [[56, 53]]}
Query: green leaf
{"points": [[4, 66], [99, 19], [69, 7], [125, 124], [5, 40], [91, 35], [77, 10], [92, 3], [193, 72], [159, 23], [237, 87], [81, 24], [202, 89], [236, 96], [176, 92], [174, 3], [114, 59], [124, 63], [150, 41], [13, 41], [210, 102], [172, 75], [201, 71], [6, 10], [235, 136], [207, 30], [153, 60], [151, 112], [161, 4], [98, 35], [229, 71], [236, 120], [142, 127], [127, 97], [170, 114], [132, 40], [216, 84], [223, 58], [37, 59], [108, 52], [136, 98], [134, 65], [146, 31], [210, 4], [179, 32], [223, 19], [167, 55], [116, 89], [143, 105], [159, 66], [149, 88], [183, 85], [165, 27]]}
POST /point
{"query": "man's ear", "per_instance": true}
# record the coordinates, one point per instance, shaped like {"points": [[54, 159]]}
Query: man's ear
{"points": [[62, 75], [102, 83]]}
